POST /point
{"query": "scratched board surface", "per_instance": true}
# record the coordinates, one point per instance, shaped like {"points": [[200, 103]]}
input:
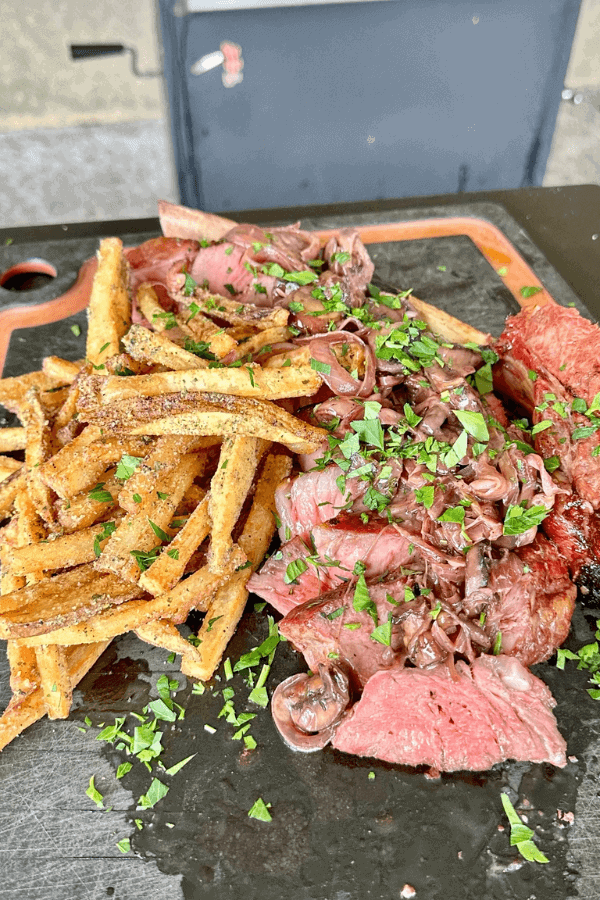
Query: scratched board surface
{"points": [[342, 828]]}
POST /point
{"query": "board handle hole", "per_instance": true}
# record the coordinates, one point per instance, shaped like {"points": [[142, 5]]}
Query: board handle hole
{"points": [[29, 275]]}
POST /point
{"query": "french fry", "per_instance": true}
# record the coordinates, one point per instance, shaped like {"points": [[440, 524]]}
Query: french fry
{"points": [[66, 598], [12, 439], [349, 355], [221, 344], [30, 527], [162, 633], [66, 551], [447, 326], [226, 609], [228, 490], [209, 414], [8, 465], [235, 313], [300, 356], [79, 465], [62, 370], [139, 532], [84, 510], [55, 680], [9, 488], [25, 709], [38, 449], [24, 672], [168, 568], [156, 349], [242, 382], [151, 309], [109, 310], [13, 391], [194, 592], [164, 457], [258, 342]]}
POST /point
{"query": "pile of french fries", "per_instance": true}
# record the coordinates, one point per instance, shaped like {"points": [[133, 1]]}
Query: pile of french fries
{"points": [[147, 488]]}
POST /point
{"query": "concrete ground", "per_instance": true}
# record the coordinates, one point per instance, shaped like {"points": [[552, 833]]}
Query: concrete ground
{"points": [[82, 140]]}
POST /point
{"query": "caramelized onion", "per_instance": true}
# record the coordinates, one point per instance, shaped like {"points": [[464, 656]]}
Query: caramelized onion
{"points": [[307, 708]]}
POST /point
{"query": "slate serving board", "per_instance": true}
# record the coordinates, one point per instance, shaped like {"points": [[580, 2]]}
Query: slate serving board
{"points": [[342, 828]]}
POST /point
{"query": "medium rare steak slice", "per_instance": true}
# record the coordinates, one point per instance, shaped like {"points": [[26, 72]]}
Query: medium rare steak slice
{"points": [[533, 601], [311, 498], [496, 710], [330, 628], [574, 528], [332, 556], [152, 262], [226, 268], [564, 435], [560, 339]]}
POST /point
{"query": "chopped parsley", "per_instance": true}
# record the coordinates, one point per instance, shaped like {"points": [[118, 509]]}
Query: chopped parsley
{"points": [[473, 423], [99, 494], [361, 600], [127, 466], [530, 290], [294, 570], [520, 835], [518, 520], [323, 368], [94, 794], [260, 810]]}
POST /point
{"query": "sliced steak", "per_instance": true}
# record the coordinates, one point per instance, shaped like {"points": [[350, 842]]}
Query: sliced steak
{"points": [[330, 628], [312, 498], [533, 601], [290, 246], [226, 269], [563, 341], [574, 527], [153, 260], [546, 399], [333, 554], [493, 711]]}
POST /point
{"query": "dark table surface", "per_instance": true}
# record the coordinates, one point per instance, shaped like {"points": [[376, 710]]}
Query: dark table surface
{"points": [[336, 833]]}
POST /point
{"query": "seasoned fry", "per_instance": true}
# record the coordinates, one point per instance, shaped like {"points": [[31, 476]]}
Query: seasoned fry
{"points": [[242, 382], [228, 490], [193, 593], [209, 413], [64, 371], [55, 680], [151, 308], [260, 341], [228, 605], [239, 314], [109, 311], [13, 390], [24, 673], [168, 568], [25, 709], [447, 326], [156, 349], [8, 465], [77, 467], [84, 510], [37, 452], [63, 552], [138, 534], [349, 355], [159, 463], [12, 439], [64, 599], [162, 633]]}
